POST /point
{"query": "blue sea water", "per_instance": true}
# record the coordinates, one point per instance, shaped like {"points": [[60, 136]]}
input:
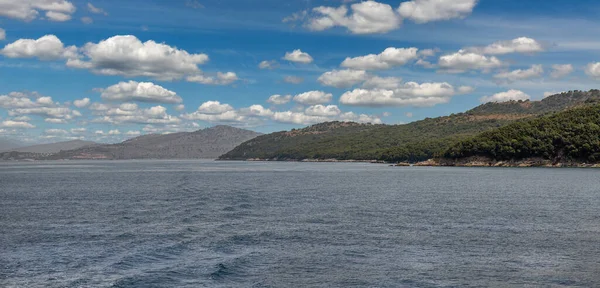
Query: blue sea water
{"points": [[250, 224]]}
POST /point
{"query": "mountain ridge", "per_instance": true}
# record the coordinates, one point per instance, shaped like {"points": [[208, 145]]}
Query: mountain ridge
{"points": [[412, 142], [206, 143]]}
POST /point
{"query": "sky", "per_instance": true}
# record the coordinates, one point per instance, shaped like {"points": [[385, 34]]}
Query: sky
{"points": [[109, 70]]}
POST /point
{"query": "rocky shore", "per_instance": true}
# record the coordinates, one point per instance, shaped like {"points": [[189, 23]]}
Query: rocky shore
{"points": [[485, 162]]}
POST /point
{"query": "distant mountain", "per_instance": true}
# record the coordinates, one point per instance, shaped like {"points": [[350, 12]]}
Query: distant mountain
{"points": [[203, 144], [7, 144], [412, 142], [54, 147]]}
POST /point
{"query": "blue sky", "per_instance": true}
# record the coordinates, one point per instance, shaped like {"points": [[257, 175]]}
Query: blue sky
{"points": [[110, 70]]}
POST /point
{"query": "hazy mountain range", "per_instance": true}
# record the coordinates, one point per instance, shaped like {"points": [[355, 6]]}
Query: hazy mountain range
{"points": [[208, 143], [51, 147]]}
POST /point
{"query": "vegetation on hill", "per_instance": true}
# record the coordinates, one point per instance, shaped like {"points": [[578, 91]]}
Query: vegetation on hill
{"points": [[572, 135], [413, 142]]}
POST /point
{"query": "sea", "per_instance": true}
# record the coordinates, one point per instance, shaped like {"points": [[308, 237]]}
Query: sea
{"points": [[284, 224]]}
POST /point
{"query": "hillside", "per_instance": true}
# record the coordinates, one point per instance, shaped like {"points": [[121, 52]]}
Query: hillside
{"points": [[54, 147], [208, 143], [565, 137], [411, 142]]}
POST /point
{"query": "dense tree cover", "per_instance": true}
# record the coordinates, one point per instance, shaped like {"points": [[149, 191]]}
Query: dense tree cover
{"points": [[413, 142], [572, 135]]}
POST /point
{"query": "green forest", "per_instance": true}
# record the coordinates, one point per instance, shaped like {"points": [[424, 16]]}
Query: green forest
{"points": [[572, 135]]}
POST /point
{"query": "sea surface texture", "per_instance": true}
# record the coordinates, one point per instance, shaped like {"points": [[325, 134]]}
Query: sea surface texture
{"points": [[249, 224]]}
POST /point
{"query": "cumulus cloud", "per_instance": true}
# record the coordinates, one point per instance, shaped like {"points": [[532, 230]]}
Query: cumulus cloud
{"points": [[78, 130], [128, 56], [140, 91], [28, 10], [511, 95], [593, 70], [559, 71], [131, 113], [293, 79], [423, 11], [298, 56], [367, 17], [518, 45], [321, 110], [535, 71], [256, 110], [298, 118], [343, 78], [272, 64], [16, 124], [463, 61], [48, 47], [221, 79], [21, 104], [133, 133], [279, 99], [313, 98], [390, 57], [409, 94], [80, 103], [214, 107]]}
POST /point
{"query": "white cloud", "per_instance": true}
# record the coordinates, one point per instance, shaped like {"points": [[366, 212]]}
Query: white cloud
{"points": [[128, 56], [48, 47], [130, 113], [550, 93], [409, 94], [78, 130], [390, 57], [180, 107], [511, 95], [80, 103], [321, 110], [140, 91], [313, 98], [96, 10], [214, 107], [463, 61], [535, 71], [593, 70], [2, 34], [367, 17], [16, 124], [293, 79], [133, 133], [268, 65], [298, 118], [114, 132], [360, 118], [257, 110], [229, 116], [298, 56], [383, 83], [56, 131], [559, 71], [518, 45], [28, 10], [58, 16], [343, 78], [221, 79], [423, 11], [279, 99]]}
